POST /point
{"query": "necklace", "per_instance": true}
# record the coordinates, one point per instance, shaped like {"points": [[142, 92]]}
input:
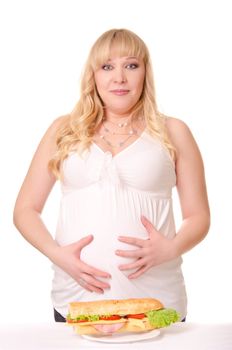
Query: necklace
{"points": [[118, 144], [120, 125], [104, 137], [107, 130]]}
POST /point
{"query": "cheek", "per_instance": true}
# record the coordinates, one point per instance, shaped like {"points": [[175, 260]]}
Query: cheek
{"points": [[102, 94], [101, 80], [138, 90], [102, 87], [138, 84], [141, 82]]}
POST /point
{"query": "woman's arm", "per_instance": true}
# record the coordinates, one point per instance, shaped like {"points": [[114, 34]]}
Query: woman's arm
{"points": [[34, 192], [31, 199], [191, 187]]}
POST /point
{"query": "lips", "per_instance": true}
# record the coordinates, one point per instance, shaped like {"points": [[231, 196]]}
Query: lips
{"points": [[119, 92]]}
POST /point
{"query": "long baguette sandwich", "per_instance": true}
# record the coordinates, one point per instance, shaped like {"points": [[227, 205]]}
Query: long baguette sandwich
{"points": [[118, 316]]}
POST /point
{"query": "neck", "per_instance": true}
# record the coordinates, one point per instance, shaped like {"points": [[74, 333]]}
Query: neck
{"points": [[117, 118]]}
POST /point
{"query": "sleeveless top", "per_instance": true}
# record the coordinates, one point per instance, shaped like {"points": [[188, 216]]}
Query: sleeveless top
{"points": [[105, 196]]}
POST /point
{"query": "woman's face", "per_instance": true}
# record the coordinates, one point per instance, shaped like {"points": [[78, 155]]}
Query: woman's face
{"points": [[119, 82]]}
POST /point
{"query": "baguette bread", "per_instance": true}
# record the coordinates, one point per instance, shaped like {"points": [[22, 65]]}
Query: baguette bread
{"points": [[114, 307], [119, 316]]}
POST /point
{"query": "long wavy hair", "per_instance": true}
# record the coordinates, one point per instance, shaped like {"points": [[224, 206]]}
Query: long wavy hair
{"points": [[77, 130]]}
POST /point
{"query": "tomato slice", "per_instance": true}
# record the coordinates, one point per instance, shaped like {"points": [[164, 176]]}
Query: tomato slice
{"points": [[138, 316], [110, 318]]}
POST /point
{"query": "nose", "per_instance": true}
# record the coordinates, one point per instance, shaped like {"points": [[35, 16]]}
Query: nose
{"points": [[119, 76]]}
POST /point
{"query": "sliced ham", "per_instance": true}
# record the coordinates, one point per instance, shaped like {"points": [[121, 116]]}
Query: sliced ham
{"points": [[108, 328]]}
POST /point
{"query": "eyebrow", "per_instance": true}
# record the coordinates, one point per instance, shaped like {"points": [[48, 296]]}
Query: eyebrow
{"points": [[126, 58], [132, 57]]}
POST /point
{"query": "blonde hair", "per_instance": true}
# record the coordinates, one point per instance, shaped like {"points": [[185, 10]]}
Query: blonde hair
{"points": [[77, 131]]}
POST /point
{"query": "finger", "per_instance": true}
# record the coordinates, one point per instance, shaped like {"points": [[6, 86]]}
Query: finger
{"points": [[96, 290], [84, 242], [83, 284], [92, 284], [90, 270], [138, 253], [138, 273], [147, 224], [89, 287], [137, 264], [132, 240], [95, 282]]}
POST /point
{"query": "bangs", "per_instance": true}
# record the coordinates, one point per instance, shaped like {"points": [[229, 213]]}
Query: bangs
{"points": [[119, 42]]}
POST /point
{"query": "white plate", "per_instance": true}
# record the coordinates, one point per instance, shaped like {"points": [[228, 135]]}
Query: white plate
{"points": [[123, 338]]}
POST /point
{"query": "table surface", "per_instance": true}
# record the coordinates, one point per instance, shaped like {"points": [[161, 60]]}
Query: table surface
{"points": [[59, 336]]}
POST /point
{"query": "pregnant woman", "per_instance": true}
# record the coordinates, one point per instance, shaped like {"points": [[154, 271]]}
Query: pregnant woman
{"points": [[117, 159]]}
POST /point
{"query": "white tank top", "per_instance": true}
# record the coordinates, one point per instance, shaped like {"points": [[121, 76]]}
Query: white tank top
{"points": [[105, 196]]}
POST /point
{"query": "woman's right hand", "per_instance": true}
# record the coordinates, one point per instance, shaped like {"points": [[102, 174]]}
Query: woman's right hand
{"points": [[68, 259]]}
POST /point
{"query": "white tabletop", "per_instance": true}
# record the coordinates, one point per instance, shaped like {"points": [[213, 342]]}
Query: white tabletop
{"points": [[59, 336]]}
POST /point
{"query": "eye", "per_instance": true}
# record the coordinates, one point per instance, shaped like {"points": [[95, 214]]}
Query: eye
{"points": [[132, 65], [107, 67]]}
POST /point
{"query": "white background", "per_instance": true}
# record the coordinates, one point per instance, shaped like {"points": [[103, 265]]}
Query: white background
{"points": [[44, 45]]}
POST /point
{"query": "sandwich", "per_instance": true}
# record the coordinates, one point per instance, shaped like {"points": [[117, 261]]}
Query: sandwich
{"points": [[105, 317]]}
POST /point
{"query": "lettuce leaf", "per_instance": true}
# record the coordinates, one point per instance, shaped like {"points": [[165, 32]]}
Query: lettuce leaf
{"points": [[86, 318], [162, 318]]}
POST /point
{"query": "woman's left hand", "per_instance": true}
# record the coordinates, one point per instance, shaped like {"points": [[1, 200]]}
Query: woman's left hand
{"points": [[153, 251]]}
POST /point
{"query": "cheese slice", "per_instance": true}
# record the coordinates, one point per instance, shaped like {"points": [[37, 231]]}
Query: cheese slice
{"points": [[137, 322]]}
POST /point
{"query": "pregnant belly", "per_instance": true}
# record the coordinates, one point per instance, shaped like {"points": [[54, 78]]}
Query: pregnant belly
{"points": [[100, 253]]}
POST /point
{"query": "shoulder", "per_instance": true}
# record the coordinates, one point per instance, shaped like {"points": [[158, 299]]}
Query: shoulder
{"points": [[55, 128], [180, 135], [48, 142], [176, 127], [58, 123]]}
